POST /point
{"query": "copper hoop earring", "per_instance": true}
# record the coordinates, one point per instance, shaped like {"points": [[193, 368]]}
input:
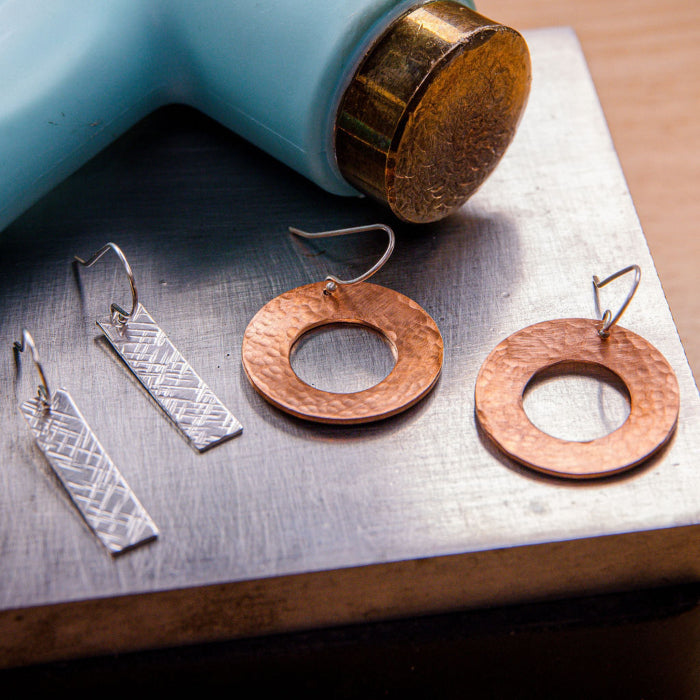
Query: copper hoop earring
{"points": [[412, 334], [647, 375]]}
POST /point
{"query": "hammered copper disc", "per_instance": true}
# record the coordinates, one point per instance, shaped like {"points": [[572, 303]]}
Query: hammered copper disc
{"points": [[412, 333], [650, 381]]}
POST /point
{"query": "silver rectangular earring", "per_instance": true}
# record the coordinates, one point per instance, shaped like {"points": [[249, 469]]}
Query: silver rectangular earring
{"points": [[83, 466], [163, 371]]}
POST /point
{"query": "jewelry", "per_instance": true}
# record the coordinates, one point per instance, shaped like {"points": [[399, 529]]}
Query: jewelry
{"points": [[83, 466], [647, 375], [411, 332], [163, 371]]}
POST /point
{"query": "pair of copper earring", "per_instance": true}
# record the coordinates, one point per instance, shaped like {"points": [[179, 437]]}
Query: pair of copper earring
{"points": [[501, 383]]}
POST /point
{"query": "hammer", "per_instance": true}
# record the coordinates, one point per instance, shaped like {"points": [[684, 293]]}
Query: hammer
{"points": [[410, 103]]}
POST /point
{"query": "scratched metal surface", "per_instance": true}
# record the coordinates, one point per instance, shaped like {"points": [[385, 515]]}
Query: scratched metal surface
{"points": [[202, 218]]}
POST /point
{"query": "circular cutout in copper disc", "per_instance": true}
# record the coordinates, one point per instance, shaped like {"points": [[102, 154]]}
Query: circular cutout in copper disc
{"points": [[650, 381], [412, 333]]}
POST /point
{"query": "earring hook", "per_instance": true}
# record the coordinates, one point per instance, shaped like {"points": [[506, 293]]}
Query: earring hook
{"points": [[27, 341], [118, 314], [608, 319], [332, 281]]}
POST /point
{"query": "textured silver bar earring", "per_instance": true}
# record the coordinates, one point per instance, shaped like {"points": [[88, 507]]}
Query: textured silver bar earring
{"points": [[93, 482], [163, 371]]}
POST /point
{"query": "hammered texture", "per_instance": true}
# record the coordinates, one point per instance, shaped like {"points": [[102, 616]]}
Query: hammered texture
{"points": [[457, 133], [650, 381], [171, 381], [88, 474], [412, 333], [432, 109]]}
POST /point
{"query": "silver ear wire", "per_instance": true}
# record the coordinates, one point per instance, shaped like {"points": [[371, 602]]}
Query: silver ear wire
{"points": [[43, 391], [608, 319], [333, 281], [118, 314]]}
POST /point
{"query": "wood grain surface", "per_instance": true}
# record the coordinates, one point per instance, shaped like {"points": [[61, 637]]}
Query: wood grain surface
{"points": [[644, 57]]}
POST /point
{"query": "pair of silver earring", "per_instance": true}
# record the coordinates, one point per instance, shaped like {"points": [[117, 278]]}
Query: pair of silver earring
{"points": [[83, 466]]}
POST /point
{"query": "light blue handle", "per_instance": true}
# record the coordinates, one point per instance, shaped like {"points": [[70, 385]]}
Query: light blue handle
{"points": [[75, 74]]}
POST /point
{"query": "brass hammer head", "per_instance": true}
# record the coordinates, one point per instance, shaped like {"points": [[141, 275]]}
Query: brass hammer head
{"points": [[431, 109]]}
